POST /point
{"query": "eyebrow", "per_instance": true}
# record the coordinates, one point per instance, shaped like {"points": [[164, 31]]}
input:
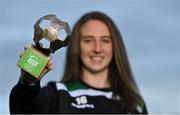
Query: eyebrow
{"points": [[106, 37], [89, 36]]}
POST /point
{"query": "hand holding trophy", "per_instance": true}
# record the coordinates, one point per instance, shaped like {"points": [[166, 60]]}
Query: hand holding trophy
{"points": [[35, 58]]}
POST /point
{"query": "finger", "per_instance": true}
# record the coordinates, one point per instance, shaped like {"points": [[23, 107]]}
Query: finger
{"points": [[49, 58], [45, 71], [50, 66], [25, 47], [21, 54], [50, 61]]}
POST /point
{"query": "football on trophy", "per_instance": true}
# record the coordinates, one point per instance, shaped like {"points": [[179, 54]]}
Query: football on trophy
{"points": [[50, 33], [35, 57]]}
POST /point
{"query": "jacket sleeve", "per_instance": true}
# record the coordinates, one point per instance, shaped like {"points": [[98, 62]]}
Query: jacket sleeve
{"points": [[141, 108], [28, 99], [144, 108]]}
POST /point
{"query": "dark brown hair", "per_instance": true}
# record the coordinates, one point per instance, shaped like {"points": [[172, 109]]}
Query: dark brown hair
{"points": [[120, 75]]}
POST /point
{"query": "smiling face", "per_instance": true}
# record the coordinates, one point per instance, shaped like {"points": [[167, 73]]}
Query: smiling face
{"points": [[95, 46]]}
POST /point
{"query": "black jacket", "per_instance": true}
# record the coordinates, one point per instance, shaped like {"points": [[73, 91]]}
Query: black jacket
{"points": [[58, 97]]}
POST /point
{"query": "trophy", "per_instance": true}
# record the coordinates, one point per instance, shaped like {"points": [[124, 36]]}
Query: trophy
{"points": [[35, 57]]}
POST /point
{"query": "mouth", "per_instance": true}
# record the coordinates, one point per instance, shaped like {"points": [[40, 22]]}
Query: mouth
{"points": [[96, 59]]}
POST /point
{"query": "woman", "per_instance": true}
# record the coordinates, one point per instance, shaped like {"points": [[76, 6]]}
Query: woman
{"points": [[97, 77]]}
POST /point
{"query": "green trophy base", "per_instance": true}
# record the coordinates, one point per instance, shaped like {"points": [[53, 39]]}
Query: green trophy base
{"points": [[33, 61]]}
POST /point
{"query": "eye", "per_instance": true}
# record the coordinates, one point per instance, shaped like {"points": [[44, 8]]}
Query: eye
{"points": [[106, 40], [87, 40]]}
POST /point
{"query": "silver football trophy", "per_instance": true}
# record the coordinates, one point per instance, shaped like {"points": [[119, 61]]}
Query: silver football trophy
{"points": [[35, 57]]}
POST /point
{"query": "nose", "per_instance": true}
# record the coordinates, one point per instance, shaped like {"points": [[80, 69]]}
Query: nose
{"points": [[97, 47]]}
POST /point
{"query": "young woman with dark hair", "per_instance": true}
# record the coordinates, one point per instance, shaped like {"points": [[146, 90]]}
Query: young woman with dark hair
{"points": [[97, 77]]}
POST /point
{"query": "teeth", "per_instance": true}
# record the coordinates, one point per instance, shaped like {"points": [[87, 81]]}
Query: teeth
{"points": [[97, 58]]}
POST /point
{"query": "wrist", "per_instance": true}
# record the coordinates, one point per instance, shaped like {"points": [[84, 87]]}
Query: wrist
{"points": [[26, 80]]}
